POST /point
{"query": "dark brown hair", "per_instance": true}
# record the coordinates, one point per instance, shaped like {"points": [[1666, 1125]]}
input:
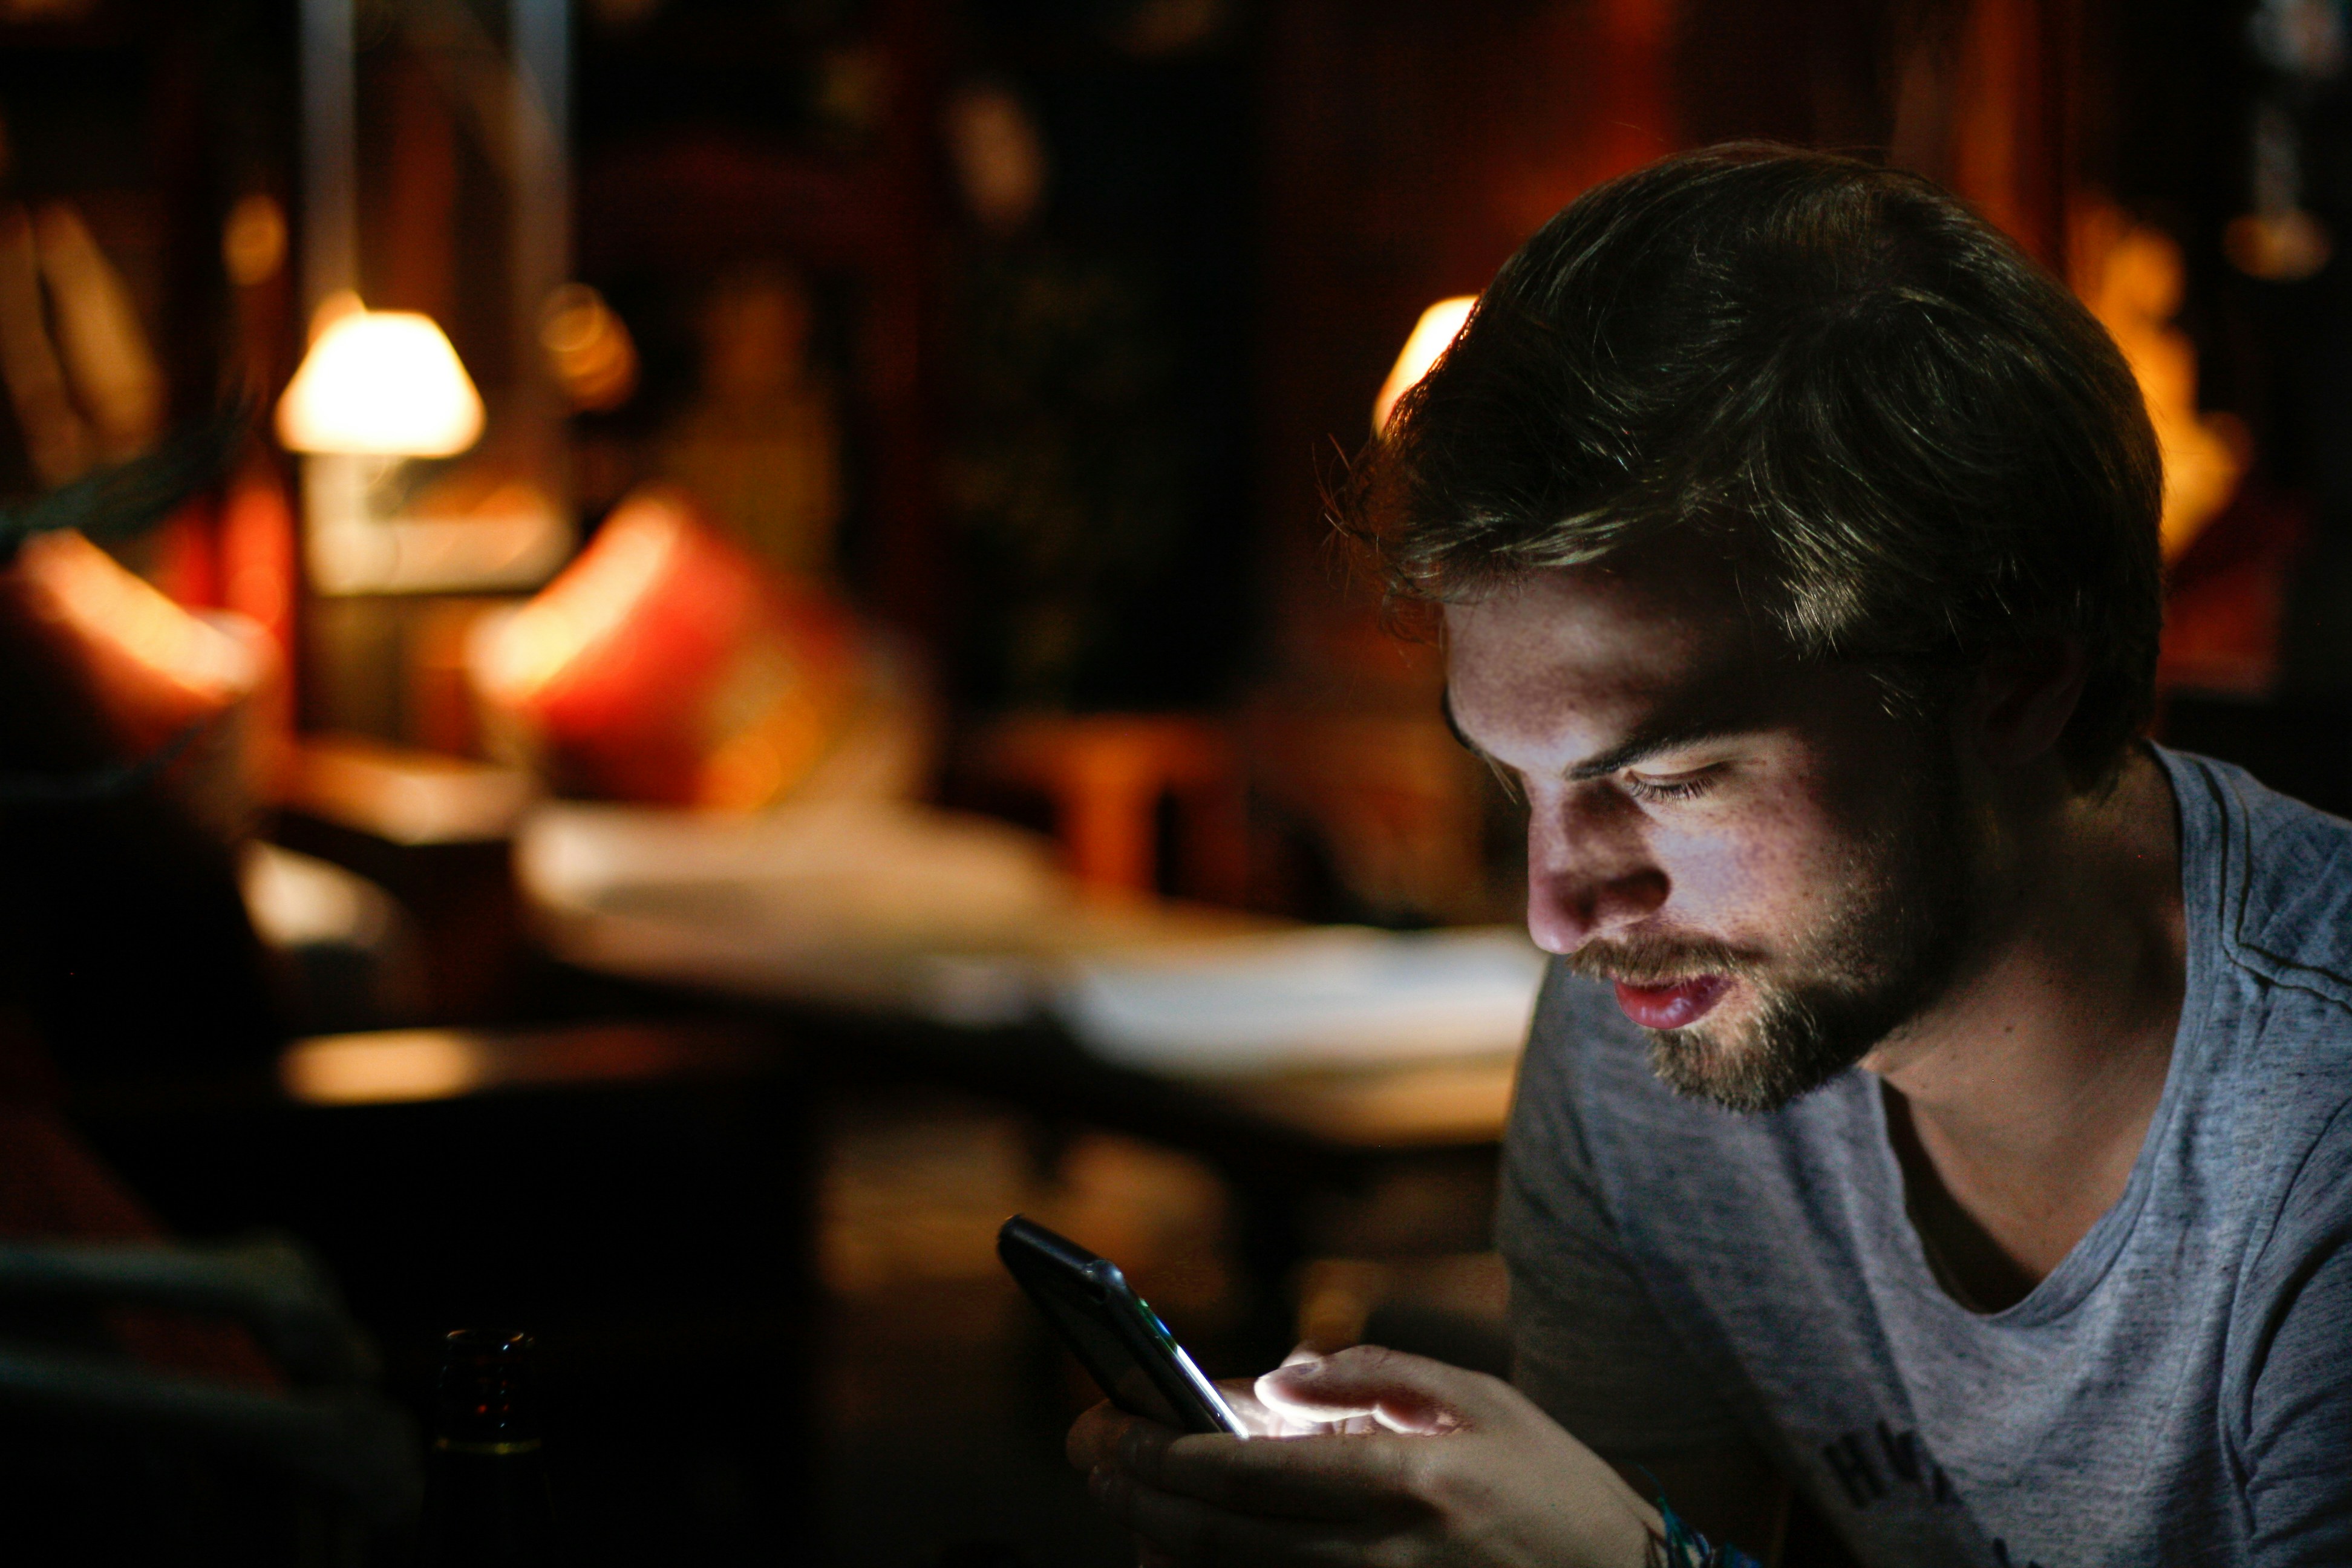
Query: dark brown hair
{"points": [[1914, 443]]}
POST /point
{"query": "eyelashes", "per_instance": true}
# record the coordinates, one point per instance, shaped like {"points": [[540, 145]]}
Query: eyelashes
{"points": [[1690, 786], [1685, 786], [1505, 779]]}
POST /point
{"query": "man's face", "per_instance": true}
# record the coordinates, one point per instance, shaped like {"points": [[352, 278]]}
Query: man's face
{"points": [[1770, 867]]}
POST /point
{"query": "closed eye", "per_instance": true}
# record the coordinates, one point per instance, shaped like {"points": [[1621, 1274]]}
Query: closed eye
{"points": [[1675, 786]]}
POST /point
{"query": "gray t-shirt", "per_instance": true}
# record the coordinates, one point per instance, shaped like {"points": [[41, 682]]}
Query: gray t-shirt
{"points": [[2177, 1390]]}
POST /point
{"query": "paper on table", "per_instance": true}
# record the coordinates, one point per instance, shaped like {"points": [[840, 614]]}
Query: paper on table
{"points": [[852, 901], [822, 878], [871, 904], [1331, 997]]}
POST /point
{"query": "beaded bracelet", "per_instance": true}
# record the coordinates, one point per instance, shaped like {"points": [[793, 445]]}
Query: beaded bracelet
{"points": [[1686, 1548]]}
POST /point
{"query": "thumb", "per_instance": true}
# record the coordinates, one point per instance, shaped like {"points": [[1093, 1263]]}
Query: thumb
{"points": [[1404, 1393]]}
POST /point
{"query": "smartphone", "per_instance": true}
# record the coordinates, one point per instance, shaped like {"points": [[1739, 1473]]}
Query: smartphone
{"points": [[1139, 1365]]}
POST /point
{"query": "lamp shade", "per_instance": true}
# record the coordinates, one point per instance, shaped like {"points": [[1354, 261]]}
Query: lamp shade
{"points": [[383, 383], [1431, 336]]}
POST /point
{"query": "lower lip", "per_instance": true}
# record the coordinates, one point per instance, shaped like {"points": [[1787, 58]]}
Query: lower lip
{"points": [[1672, 1007]]}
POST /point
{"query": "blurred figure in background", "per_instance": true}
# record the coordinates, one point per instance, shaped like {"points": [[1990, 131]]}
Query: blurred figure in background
{"points": [[761, 443]]}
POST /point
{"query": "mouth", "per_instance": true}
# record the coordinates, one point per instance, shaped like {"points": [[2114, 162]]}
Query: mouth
{"points": [[1675, 1006]]}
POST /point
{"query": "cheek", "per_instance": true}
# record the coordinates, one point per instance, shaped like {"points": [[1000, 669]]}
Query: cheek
{"points": [[1778, 858]]}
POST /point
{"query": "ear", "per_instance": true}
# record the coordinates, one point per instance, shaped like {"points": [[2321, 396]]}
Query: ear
{"points": [[2022, 699]]}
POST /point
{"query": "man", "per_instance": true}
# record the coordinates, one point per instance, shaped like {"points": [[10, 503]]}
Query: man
{"points": [[1796, 540]]}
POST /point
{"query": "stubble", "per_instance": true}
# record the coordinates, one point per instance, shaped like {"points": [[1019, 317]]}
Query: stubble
{"points": [[1832, 992]]}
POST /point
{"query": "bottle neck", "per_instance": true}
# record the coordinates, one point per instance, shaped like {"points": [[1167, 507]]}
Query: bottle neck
{"points": [[488, 1502], [487, 1402]]}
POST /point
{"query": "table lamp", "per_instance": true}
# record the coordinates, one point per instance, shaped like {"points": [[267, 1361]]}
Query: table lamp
{"points": [[382, 384], [378, 389], [1431, 336]]}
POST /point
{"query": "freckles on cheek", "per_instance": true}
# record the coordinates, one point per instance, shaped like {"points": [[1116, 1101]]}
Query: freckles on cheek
{"points": [[1776, 860], [1710, 876]]}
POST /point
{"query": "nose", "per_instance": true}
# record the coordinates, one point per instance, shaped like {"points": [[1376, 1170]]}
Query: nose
{"points": [[1589, 870]]}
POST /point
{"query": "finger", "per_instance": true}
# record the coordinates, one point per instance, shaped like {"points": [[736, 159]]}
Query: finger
{"points": [[1257, 1419], [1260, 1419], [1096, 1435], [1405, 1393], [1184, 1530], [1330, 1477]]}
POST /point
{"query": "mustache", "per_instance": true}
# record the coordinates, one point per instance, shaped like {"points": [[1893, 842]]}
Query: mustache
{"points": [[1658, 960]]}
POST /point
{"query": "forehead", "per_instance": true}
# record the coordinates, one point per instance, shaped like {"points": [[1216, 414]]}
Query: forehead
{"points": [[1604, 648]]}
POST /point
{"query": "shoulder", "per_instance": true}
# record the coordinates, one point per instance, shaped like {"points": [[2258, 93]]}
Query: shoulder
{"points": [[2275, 1104], [2268, 1032], [2284, 871]]}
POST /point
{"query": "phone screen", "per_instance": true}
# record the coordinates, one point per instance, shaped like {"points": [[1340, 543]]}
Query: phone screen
{"points": [[1114, 1333]]}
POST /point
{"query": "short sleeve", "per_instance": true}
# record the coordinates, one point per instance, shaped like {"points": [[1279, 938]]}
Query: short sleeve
{"points": [[1588, 1344], [2298, 1444]]}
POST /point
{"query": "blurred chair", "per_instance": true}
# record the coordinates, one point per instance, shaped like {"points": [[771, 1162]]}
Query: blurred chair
{"points": [[157, 1403], [1389, 799], [207, 1402], [114, 1458], [167, 1402], [666, 665], [129, 766], [1108, 775]]}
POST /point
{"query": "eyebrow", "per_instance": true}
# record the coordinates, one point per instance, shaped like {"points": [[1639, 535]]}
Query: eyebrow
{"points": [[1643, 743]]}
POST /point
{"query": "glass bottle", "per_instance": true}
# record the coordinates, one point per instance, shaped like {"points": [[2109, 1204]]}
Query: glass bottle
{"points": [[487, 1504]]}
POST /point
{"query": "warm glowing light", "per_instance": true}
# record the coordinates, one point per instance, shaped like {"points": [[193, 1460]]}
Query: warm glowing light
{"points": [[85, 589], [589, 347], [383, 383], [156, 672], [2132, 276], [2277, 247], [402, 1065], [253, 240], [666, 664], [1431, 336], [585, 606]]}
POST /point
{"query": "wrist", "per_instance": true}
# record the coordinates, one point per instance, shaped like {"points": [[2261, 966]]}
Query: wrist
{"points": [[1675, 1544], [1669, 1541]]}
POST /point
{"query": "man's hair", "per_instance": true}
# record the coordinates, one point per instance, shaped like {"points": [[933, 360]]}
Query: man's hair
{"points": [[1912, 443]]}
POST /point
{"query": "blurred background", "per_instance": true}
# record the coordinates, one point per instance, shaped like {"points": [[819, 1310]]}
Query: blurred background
{"points": [[659, 656]]}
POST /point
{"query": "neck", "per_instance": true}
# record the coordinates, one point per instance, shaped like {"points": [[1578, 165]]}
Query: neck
{"points": [[2020, 1101]]}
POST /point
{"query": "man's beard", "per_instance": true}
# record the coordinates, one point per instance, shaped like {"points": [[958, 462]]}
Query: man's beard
{"points": [[1864, 971]]}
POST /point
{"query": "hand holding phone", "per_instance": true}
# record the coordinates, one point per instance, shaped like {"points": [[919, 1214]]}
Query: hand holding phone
{"points": [[1133, 1357]]}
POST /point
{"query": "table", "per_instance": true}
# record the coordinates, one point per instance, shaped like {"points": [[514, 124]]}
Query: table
{"points": [[1305, 1152], [646, 915]]}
